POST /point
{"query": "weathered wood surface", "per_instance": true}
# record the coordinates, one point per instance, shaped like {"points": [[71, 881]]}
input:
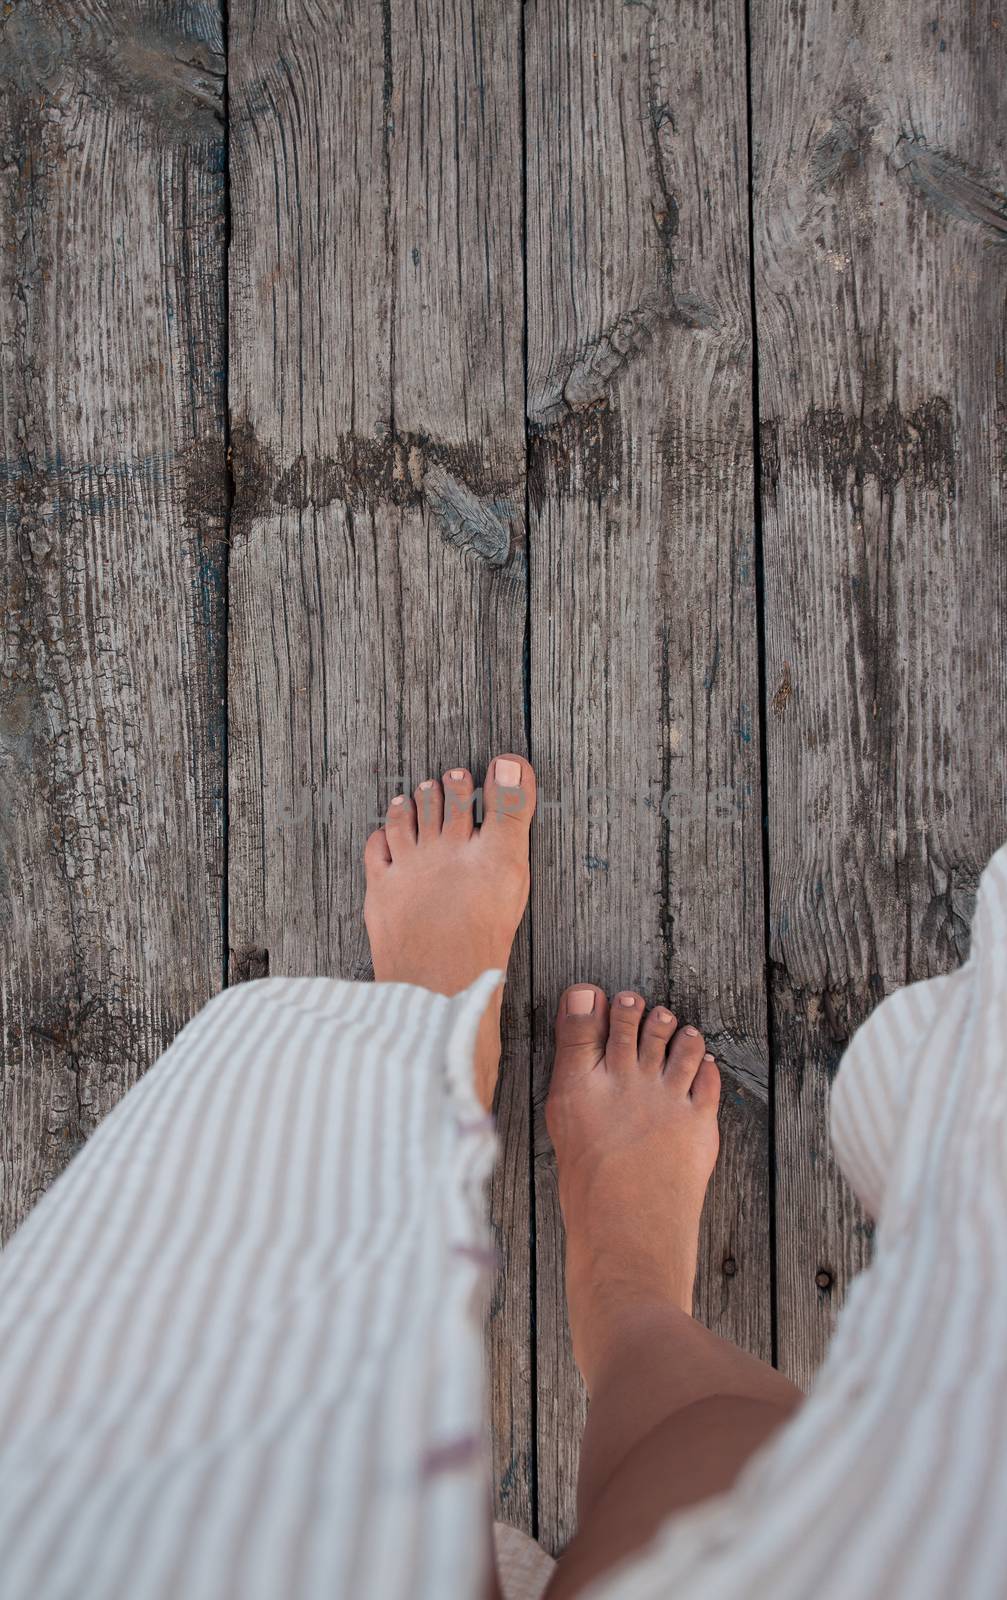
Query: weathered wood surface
{"points": [[378, 569], [648, 864], [112, 484], [397, 173], [880, 227]]}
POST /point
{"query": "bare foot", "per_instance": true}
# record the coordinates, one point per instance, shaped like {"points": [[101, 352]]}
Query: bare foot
{"points": [[632, 1113], [444, 897]]}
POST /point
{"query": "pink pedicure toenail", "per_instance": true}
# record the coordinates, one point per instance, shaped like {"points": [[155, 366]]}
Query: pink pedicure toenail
{"points": [[427, 783], [457, 775], [693, 1033], [580, 1002], [399, 800], [627, 999], [507, 773]]}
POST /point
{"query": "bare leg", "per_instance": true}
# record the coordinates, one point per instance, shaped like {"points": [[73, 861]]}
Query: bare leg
{"points": [[675, 1411]]}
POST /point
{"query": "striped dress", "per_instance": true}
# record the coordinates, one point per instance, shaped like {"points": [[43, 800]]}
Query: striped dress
{"points": [[240, 1338]]}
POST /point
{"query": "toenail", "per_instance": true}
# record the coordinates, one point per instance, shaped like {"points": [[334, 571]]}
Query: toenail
{"points": [[427, 783], [507, 773], [399, 800], [693, 1033], [457, 775], [708, 1056], [580, 1002], [662, 1015], [627, 999]]}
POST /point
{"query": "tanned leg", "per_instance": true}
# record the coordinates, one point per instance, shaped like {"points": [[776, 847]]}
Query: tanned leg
{"points": [[675, 1411]]}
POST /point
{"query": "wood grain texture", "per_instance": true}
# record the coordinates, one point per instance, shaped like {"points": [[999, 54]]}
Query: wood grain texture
{"points": [[112, 481], [880, 226], [647, 857], [397, 171], [378, 572]]}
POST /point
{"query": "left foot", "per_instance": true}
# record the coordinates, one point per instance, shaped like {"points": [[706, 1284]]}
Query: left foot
{"points": [[445, 897], [632, 1113]]}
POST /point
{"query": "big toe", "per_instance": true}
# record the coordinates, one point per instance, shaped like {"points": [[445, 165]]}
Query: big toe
{"points": [[509, 799], [581, 1030]]}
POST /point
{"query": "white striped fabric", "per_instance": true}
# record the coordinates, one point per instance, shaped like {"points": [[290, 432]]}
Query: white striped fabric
{"points": [[240, 1348], [891, 1481], [240, 1352]]}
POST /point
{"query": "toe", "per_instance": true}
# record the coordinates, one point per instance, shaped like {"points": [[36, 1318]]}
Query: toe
{"points": [[400, 825], [624, 1018], [654, 1036], [706, 1084], [684, 1056], [509, 798], [459, 801], [377, 855], [429, 803], [581, 1029]]}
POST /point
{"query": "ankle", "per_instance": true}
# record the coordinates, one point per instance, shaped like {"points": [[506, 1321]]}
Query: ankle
{"points": [[623, 1309], [630, 1272]]}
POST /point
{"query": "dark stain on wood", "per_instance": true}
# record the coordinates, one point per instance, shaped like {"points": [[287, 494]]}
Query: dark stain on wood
{"points": [[579, 455], [769, 460], [783, 692], [473, 503], [248, 963], [831, 1014], [202, 479], [884, 446]]}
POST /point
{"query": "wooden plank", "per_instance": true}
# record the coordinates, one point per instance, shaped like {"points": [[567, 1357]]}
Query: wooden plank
{"points": [[880, 226], [113, 492], [643, 619], [378, 574]]}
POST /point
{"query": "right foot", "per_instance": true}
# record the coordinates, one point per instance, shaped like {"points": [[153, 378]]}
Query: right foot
{"points": [[632, 1113]]}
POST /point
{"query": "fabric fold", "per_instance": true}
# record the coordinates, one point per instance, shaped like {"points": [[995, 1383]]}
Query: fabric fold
{"points": [[244, 1349]]}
